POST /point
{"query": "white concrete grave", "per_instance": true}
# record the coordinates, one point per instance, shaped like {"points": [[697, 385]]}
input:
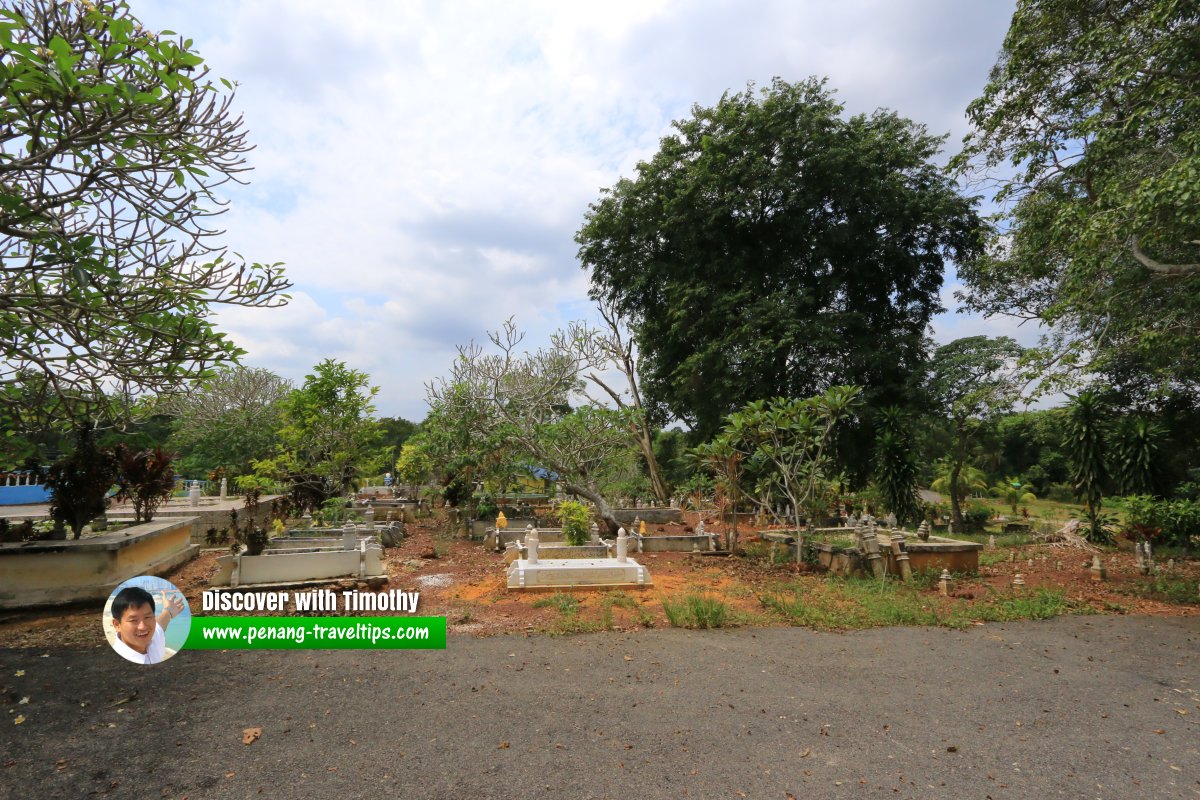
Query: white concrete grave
{"points": [[360, 558], [534, 572]]}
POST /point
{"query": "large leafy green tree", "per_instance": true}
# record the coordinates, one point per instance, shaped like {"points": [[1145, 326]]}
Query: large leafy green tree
{"points": [[330, 437], [773, 246], [973, 381], [114, 148], [1091, 123]]}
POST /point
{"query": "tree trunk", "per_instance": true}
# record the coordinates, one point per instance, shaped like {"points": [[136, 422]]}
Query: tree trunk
{"points": [[956, 517], [602, 506], [799, 532], [647, 447]]}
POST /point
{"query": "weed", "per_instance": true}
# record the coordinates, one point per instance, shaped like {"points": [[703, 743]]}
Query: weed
{"points": [[442, 542], [849, 603], [762, 551], [1174, 589], [697, 611], [1002, 539], [989, 558], [1040, 603], [618, 599], [565, 604]]}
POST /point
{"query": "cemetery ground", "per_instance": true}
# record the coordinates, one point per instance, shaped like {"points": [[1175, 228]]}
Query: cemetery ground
{"points": [[459, 579]]}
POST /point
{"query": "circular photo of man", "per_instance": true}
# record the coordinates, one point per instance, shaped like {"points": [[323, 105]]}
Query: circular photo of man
{"points": [[147, 619]]}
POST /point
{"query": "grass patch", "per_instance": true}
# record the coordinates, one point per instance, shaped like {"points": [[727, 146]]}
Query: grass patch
{"points": [[855, 603], [989, 558], [1175, 589], [617, 599], [562, 602], [697, 611], [1038, 604], [761, 551], [1002, 539]]}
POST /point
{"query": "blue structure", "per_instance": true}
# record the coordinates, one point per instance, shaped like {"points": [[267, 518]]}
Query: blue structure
{"points": [[22, 489]]}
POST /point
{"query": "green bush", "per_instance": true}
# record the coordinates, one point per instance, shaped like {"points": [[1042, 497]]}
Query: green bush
{"points": [[1060, 493], [575, 519], [976, 516], [1169, 522], [485, 506]]}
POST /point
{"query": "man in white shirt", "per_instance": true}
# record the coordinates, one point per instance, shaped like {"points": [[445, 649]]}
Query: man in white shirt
{"points": [[140, 636]]}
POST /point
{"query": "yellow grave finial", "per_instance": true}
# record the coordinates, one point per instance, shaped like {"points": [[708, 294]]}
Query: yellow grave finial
{"points": [[501, 521], [642, 528]]}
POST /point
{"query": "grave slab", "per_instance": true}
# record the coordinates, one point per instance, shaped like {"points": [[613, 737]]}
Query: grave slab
{"points": [[567, 573]]}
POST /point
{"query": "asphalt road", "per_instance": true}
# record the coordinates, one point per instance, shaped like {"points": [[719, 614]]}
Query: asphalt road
{"points": [[1077, 707]]}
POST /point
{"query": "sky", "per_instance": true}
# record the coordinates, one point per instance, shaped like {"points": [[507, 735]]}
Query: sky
{"points": [[421, 169]]}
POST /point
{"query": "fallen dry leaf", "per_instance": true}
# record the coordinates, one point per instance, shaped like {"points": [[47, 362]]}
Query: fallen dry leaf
{"points": [[20, 673], [20, 718], [249, 735], [503, 746], [807, 752]]}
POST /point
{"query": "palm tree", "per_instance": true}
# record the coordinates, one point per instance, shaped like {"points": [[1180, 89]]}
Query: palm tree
{"points": [[958, 481], [1085, 447]]}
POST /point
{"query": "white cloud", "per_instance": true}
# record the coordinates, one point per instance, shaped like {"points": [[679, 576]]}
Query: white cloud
{"points": [[422, 168]]}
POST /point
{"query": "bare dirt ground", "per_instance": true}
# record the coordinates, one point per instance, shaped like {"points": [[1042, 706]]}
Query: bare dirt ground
{"points": [[462, 581]]}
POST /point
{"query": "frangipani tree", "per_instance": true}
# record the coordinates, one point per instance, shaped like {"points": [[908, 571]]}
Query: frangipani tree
{"points": [[792, 441], [534, 406]]}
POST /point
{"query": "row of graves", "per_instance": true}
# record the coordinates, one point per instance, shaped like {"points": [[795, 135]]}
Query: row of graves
{"points": [[312, 553], [537, 557]]}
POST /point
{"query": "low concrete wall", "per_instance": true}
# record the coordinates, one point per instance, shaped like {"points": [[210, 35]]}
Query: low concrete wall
{"points": [[301, 566], [938, 553], [494, 541], [546, 551], [678, 544], [651, 516], [52, 573], [389, 510], [481, 528], [205, 516]]}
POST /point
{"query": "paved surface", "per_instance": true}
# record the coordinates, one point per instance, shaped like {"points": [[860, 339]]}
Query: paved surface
{"points": [[1077, 707]]}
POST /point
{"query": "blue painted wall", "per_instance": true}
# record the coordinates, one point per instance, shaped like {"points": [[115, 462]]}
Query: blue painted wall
{"points": [[23, 495]]}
